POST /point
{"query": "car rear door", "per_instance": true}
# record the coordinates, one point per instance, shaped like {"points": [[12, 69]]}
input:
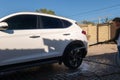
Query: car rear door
{"points": [[55, 36]]}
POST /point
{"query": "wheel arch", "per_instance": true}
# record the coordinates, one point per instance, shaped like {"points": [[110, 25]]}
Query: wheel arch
{"points": [[76, 42]]}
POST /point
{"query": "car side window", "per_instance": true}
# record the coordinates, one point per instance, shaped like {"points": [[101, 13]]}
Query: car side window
{"points": [[22, 22], [49, 22], [66, 23]]}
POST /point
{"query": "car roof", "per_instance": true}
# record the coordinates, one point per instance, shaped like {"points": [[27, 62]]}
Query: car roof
{"points": [[35, 13]]}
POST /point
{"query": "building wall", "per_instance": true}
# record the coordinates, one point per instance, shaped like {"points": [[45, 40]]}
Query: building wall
{"points": [[92, 32], [103, 33], [99, 33]]}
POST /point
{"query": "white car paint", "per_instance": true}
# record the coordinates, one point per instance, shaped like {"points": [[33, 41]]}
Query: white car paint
{"points": [[17, 46]]}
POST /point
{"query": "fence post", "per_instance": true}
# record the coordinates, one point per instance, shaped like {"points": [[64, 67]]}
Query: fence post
{"points": [[97, 33]]}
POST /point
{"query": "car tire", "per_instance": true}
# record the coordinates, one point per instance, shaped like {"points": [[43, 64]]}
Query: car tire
{"points": [[72, 57]]}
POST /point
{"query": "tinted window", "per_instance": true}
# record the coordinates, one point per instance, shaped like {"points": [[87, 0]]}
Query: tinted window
{"points": [[66, 23], [22, 22], [49, 22]]}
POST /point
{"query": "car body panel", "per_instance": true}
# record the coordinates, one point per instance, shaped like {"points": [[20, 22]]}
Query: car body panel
{"points": [[19, 46]]}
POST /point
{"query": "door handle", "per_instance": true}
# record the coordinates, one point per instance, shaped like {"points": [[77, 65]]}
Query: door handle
{"points": [[66, 34], [34, 36]]}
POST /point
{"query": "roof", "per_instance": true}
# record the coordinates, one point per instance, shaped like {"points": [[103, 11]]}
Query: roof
{"points": [[35, 13]]}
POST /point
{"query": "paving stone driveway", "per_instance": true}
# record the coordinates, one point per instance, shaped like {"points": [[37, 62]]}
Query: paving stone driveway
{"points": [[99, 64]]}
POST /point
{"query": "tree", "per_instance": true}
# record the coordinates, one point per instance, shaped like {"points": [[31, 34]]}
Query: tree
{"points": [[46, 11], [88, 22], [106, 20]]}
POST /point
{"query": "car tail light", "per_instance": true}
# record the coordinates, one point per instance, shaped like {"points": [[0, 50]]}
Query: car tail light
{"points": [[84, 32]]}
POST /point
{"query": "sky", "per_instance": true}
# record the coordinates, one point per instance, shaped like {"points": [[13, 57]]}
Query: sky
{"points": [[74, 9]]}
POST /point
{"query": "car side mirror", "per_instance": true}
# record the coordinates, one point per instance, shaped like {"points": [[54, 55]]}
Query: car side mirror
{"points": [[3, 26]]}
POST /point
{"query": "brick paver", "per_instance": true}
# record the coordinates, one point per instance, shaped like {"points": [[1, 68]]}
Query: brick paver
{"points": [[98, 65]]}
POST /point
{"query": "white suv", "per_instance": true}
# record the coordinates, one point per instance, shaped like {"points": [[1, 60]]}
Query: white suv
{"points": [[28, 39]]}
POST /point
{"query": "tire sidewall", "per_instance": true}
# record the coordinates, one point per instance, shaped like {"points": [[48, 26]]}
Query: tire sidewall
{"points": [[66, 57]]}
